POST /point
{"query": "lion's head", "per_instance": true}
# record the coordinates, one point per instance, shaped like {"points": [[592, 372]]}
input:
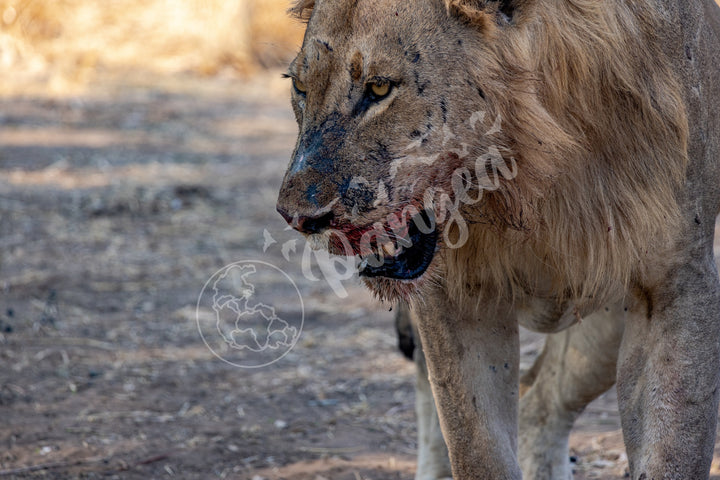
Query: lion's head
{"points": [[421, 120], [390, 120]]}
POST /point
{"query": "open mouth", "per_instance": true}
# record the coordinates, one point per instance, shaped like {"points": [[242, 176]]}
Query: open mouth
{"points": [[408, 258]]}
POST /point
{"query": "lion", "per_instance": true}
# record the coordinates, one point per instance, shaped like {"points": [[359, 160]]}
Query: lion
{"points": [[538, 163]]}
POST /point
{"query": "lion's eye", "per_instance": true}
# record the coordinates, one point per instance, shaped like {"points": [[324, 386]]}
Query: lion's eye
{"points": [[380, 90], [300, 87], [376, 90]]}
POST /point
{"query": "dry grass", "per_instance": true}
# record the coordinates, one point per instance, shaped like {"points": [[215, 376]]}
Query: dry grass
{"points": [[67, 42]]}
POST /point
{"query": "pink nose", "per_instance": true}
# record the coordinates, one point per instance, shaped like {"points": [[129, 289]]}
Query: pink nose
{"points": [[308, 224]]}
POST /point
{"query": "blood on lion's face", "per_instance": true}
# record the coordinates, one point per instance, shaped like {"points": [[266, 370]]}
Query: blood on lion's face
{"points": [[389, 120]]}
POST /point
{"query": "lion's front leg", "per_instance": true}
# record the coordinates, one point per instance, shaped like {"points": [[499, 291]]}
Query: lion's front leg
{"points": [[668, 374], [472, 358], [432, 459]]}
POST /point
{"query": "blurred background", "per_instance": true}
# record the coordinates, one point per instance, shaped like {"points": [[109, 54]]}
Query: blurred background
{"points": [[142, 145], [66, 45]]}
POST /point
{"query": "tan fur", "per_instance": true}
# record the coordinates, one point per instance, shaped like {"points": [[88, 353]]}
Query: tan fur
{"points": [[592, 115], [302, 9], [586, 136], [618, 127]]}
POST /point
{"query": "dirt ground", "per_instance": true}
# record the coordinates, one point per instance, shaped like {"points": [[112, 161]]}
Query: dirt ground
{"points": [[116, 207]]}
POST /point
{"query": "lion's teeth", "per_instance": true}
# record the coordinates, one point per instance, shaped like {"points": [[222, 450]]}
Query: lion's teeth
{"points": [[363, 264], [389, 248]]}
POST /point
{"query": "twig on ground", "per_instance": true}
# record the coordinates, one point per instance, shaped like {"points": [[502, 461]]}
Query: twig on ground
{"points": [[49, 466], [77, 463]]}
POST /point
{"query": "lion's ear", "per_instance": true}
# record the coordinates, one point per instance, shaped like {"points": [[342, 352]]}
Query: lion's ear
{"points": [[302, 9], [483, 13]]}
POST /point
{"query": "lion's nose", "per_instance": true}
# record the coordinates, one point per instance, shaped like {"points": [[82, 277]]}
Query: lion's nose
{"points": [[308, 224]]}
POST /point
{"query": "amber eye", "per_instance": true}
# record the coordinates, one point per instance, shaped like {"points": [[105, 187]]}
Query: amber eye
{"points": [[299, 86], [380, 90]]}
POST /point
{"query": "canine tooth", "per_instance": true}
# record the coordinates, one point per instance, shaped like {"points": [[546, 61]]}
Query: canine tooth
{"points": [[389, 248]]}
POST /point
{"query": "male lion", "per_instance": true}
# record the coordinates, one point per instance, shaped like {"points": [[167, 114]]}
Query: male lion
{"points": [[547, 163]]}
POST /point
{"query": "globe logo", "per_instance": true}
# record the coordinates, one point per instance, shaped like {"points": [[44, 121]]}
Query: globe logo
{"points": [[250, 314]]}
